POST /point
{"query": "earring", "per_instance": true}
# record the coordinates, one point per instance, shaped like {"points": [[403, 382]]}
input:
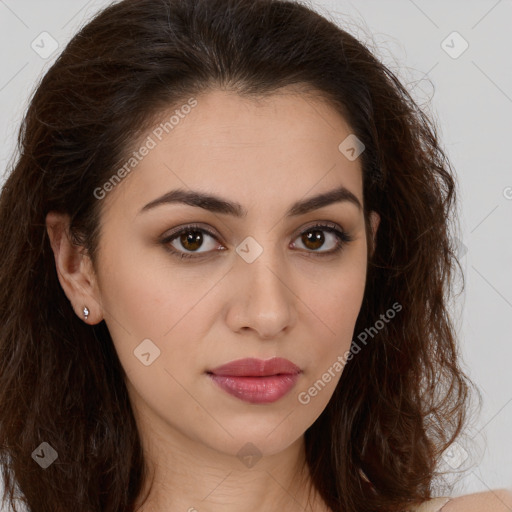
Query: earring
{"points": [[86, 312]]}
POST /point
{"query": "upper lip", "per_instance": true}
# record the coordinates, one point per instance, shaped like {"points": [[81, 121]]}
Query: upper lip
{"points": [[251, 367]]}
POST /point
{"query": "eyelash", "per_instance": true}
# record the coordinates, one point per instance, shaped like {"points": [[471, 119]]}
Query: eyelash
{"points": [[343, 239]]}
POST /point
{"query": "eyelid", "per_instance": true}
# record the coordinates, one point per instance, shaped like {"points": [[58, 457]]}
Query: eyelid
{"points": [[320, 224], [188, 227], [296, 233]]}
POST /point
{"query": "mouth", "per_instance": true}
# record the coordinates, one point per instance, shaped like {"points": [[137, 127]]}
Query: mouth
{"points": [[256, 381]]}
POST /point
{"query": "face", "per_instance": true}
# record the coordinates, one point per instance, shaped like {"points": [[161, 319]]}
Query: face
{"points": [[186, 288]]}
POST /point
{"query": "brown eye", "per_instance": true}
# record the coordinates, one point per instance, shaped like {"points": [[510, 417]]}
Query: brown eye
{"points": [[187, 241], [313, 239], [191, 240]]}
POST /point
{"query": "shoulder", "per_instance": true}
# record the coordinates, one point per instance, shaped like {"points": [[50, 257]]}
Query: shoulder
{"points": [[498, 500]]}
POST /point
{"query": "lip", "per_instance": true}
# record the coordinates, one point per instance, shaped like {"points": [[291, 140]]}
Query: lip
{"points": [[256, 381]]}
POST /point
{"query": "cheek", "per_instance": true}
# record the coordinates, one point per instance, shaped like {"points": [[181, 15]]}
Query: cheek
{"points": [[335, 314], [332, 302], [159, 313], [339, 302], [146, 298], [147, 295], [335, 293]]}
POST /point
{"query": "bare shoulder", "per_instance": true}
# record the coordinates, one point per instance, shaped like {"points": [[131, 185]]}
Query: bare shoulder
{"points": [[498, 500]]}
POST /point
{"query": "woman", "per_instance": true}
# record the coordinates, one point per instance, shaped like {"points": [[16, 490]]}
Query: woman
{"points": [[226, 261]]}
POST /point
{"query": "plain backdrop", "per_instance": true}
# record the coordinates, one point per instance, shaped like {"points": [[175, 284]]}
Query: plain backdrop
{"points": [[454, 58]]}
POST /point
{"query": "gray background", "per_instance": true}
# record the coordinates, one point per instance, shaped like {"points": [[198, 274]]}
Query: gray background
{"points": [[468, 93]]}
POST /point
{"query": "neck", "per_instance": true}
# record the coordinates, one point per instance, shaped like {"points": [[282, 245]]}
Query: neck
{"points": [[185, 475]]}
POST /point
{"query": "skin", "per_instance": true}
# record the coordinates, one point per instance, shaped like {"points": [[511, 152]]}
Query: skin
{"points": [[204, 312], [498, 500]]}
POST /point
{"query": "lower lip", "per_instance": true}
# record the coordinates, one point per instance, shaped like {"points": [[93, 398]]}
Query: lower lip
{"points": [[257, 390]]}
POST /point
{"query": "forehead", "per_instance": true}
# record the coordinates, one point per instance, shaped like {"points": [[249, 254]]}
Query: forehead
{"points": [[276, 147]]}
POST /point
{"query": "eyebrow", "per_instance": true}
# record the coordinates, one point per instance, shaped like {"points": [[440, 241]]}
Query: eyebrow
{"points": [[217, 204]]}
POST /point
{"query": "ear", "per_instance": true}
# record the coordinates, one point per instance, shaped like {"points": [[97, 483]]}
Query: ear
{"points": [[374, 222], [74, 269]]}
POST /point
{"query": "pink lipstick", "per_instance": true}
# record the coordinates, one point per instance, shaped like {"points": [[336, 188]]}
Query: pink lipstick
{"points": [[256, 381]]}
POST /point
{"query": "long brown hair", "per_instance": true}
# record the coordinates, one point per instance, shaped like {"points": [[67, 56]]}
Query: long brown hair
{"points": [[375, 446]]}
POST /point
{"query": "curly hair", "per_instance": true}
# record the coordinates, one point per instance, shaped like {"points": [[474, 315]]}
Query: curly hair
{"points": [[398, 405]]}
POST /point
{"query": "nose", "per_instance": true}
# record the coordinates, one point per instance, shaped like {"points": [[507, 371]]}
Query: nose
{"points": [[262, 298]]}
